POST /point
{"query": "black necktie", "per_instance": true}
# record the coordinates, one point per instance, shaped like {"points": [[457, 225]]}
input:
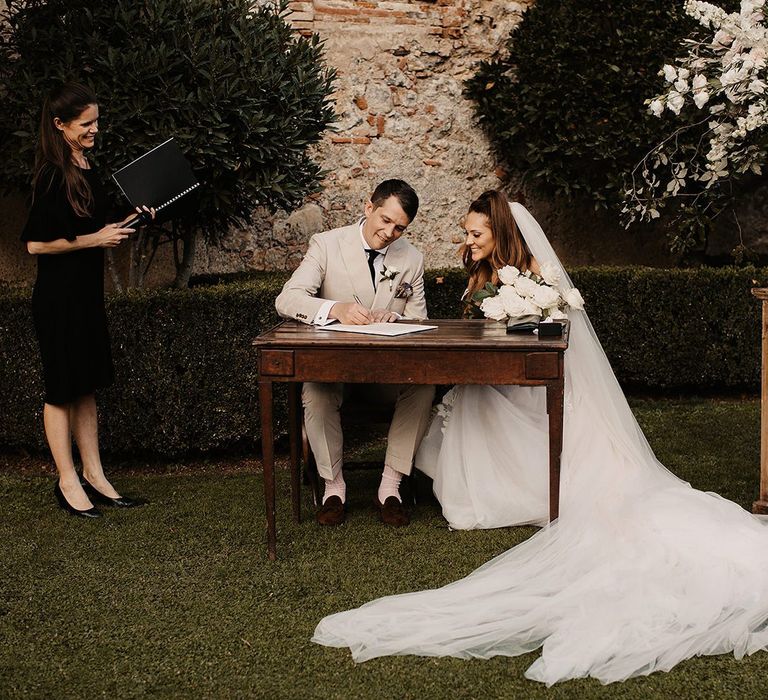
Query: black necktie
{"points": [[372, 254]]}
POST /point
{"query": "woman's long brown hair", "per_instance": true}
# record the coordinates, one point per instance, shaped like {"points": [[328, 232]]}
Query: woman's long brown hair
{"points": [[509, 246], [54, 154]]}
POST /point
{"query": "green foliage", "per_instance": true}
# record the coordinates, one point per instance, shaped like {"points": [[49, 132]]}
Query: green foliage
{"points": [[186, 370], [564, 103], [243, 94]]}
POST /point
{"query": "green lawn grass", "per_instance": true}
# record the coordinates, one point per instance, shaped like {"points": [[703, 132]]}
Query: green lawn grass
{"points": [[178, 600]]}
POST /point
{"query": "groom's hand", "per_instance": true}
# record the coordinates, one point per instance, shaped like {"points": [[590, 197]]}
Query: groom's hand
{"points": [[383, 316], [350, 313]]}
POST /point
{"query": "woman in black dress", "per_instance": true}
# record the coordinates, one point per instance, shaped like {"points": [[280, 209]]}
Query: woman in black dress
{"points": [[68, 233]]}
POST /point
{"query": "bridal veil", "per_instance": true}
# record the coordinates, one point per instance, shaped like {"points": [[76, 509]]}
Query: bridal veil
{"points": [[640, 571]]}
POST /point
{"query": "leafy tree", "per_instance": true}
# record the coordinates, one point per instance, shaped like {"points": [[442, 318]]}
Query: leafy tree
{"points": [[564, 103], [243, 94]]}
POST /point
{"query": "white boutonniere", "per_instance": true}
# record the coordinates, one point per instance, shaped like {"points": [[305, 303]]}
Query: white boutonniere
{"points": [[389, 273]]}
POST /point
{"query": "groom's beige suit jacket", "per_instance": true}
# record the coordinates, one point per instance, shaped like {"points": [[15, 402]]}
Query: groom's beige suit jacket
{"points": [[336, 268]]}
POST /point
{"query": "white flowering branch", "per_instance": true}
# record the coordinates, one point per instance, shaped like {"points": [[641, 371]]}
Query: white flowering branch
{"points": [[726, 79]]}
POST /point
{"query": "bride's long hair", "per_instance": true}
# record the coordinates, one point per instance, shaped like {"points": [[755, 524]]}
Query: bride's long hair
{"points": [[509, 246]]}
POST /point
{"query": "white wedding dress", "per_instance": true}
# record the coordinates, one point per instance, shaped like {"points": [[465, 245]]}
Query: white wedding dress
{"points": [[640, 571]]}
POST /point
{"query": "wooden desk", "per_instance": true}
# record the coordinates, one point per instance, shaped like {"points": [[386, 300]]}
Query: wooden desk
{"points": [[457, 352]]}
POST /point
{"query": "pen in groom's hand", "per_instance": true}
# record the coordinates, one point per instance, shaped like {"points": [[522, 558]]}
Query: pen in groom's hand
{"points": [[357, 300]]}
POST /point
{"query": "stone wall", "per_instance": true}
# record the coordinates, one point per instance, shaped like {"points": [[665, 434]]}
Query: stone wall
{"points": [[401, 113]]}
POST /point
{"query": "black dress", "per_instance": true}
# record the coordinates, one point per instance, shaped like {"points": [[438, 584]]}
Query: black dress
{"points": [[68, 299]]}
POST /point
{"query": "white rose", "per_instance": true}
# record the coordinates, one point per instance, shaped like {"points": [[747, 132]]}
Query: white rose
{"points": [[556, 315], [683, 73], [574, 299], [493, 308], [657, 107], [699, 81], [670, 74], [513, 303], [525, 286], [531, 309], [681, 86], [545, 297], [550, 274], [508, 274]]}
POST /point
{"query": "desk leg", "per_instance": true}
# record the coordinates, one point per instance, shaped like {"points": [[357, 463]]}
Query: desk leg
{"points": [[268, 462], [293, 437], [555, 410]]}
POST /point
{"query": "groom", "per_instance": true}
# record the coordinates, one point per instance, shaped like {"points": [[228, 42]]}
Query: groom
{"points": [[363, 273]]}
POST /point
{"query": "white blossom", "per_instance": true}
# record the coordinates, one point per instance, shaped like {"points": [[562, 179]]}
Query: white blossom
{"points": [[675, 101], [701, 98], [726, 76]]}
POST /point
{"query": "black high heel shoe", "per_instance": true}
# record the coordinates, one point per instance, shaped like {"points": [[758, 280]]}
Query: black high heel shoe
{"points": [[64, 503], [98, 497]]}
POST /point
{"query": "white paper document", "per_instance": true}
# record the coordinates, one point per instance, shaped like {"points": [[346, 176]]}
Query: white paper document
{"points": [[389, 329]]}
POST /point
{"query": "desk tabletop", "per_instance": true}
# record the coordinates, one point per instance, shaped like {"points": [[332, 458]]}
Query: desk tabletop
{"points": [[453, 333]]}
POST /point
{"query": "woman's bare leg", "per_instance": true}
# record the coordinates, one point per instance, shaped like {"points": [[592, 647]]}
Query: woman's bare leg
{"points": [[56, 419], [85, 428]]}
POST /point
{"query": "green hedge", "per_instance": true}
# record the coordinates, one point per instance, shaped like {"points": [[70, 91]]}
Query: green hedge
{"points": [[186, 370]]}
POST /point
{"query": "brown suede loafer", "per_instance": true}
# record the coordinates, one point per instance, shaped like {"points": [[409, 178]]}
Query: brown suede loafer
{"points": [[331, 513], [393, 513]]}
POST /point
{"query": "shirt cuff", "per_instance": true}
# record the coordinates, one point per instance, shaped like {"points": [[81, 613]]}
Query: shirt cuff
{"points": [[321, 317]]}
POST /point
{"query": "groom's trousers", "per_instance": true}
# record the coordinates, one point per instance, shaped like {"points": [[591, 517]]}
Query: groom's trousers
{"points": [[322, 402]]}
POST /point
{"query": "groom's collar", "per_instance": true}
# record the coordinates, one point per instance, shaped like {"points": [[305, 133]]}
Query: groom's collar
{"points": [[382, 251]]}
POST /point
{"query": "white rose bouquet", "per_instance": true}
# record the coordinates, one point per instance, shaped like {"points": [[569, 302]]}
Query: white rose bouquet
{"points": [[526, 297]]}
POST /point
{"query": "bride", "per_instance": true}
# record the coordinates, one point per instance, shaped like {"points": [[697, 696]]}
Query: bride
{"points": [[485, 449], [639, 572]]}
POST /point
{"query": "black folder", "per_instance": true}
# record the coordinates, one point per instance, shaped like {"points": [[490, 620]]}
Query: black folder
{"points": [[162, 178]]}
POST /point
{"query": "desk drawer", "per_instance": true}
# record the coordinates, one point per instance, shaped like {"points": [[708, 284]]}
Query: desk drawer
{"points": [[402, 366], [276, 363]]}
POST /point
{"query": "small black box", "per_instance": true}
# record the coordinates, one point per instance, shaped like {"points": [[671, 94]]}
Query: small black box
{"points": [[553, 329]]}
